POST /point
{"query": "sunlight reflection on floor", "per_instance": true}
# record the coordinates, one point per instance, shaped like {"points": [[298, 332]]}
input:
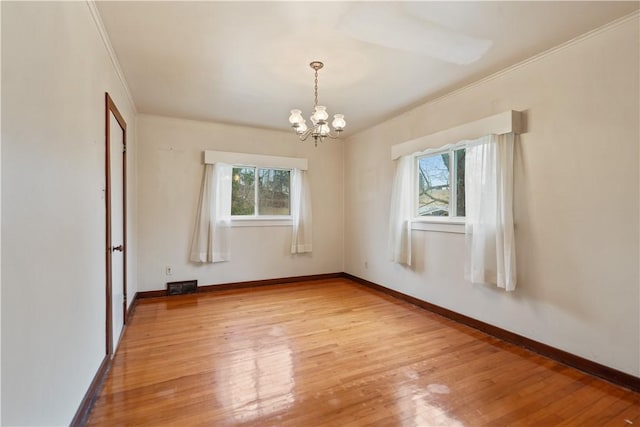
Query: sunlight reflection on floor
{"points": [[421, 404], [259, 382]]}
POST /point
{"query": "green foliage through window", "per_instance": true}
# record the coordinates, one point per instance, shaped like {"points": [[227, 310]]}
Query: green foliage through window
{"points": [[269, 194], [243, 191]]}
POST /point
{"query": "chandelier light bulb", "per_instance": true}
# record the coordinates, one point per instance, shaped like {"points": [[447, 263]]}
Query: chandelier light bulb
{"points": [[324, 130], [302, 127], [338, 122], [320, 114], [296, 118]]}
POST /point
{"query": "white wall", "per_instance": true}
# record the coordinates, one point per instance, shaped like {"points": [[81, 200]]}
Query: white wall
{"points": [[170, 175], [55, 71], [576, 201]]}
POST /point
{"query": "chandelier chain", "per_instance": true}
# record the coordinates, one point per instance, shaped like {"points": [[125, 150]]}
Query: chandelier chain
{"points": [[316, 89]]}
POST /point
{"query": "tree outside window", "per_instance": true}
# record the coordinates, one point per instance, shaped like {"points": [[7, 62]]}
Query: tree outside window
{"points": [[269, 194], [441, 184]]}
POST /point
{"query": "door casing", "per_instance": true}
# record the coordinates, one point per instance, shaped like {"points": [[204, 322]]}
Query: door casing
{"points": [[110, 108]]}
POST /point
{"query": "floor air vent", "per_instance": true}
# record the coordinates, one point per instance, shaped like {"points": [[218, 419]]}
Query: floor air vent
{"points": [[184, 287]]}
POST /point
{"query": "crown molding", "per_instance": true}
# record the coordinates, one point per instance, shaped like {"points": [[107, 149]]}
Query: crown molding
{"points": [[97, 19]]}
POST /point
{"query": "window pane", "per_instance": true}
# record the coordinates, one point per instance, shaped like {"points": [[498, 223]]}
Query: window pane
{"points": [[243, 191], [273, 191], [433, 185], [459, 159]]}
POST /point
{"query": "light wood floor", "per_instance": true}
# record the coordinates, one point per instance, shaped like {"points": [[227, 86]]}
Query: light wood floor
{"points": [[334, 353]]}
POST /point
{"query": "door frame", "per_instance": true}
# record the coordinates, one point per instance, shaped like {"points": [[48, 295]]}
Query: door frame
{"points": [[110, 107]]}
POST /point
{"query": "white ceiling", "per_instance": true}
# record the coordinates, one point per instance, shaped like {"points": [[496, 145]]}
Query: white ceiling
{"points": [[247, 62]]}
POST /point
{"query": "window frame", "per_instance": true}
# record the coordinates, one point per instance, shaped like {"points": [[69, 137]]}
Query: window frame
{"points": [[232, 158], [256, 219]]}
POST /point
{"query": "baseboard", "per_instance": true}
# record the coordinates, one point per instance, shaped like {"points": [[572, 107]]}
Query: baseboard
{"points": [[132, 308], [150, 294], [593, 368], [80, 418], [242, 285]]}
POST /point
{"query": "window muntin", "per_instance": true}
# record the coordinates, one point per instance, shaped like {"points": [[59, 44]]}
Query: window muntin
{"points": [[440, 186], [259, 191]]}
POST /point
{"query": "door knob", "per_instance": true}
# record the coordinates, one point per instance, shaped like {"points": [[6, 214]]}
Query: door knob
{"points": [[117, 248]]}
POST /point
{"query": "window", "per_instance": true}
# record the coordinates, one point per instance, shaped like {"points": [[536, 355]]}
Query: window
{"points": [[441, 184], [260, 191]]}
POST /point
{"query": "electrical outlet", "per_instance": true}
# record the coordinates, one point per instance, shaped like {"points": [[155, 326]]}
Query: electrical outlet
{"points": [[168, 271]]}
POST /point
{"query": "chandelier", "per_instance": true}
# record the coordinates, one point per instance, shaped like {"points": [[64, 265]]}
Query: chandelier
{"points": [[320, 127]]}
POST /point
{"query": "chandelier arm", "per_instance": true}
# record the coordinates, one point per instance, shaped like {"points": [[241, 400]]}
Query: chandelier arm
{"points": [[303, 136], [334, 136]]}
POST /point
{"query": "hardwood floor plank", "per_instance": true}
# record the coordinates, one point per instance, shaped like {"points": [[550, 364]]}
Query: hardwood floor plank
{"points": [[335, 353]]}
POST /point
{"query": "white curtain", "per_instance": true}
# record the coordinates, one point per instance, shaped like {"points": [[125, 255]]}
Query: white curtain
{"points": [[490, 243], [300, 212], [210, 241], [401, 211]]}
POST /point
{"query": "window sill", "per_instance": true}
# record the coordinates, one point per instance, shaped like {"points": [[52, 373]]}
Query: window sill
{"points": [[261, 221], [440, 224]]}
